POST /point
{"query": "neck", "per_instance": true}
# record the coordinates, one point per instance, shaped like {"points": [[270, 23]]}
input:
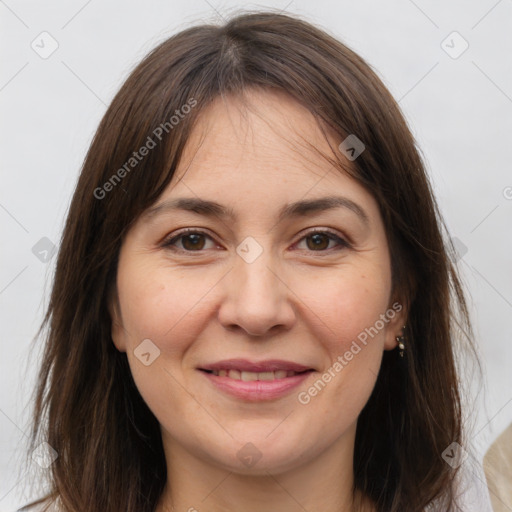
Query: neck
{"points": [[323, 484]]}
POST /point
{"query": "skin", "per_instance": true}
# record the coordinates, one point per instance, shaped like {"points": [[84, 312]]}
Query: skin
{"points": [[294, 302]]}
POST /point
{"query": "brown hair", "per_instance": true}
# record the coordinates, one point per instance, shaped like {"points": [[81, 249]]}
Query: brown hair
{"points": [[87, 405]]}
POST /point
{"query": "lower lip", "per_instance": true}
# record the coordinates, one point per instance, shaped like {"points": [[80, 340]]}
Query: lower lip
{"points": [[257, 390]]}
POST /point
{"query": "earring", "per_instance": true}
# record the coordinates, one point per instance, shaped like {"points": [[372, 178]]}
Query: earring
{"points": [[400, 339]]}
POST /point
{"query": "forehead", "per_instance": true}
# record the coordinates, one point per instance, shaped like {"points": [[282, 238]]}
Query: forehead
{"points": [[264, 135], [262, 153]]}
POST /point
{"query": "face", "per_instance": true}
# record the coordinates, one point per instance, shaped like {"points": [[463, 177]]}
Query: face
{"points": [[256, 325]]}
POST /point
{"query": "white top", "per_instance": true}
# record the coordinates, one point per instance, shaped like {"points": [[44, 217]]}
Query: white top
{"points": [[476, 492]]}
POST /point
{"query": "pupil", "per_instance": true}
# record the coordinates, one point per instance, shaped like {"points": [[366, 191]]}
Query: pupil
{"points": [[194, 238], [317, 241]]}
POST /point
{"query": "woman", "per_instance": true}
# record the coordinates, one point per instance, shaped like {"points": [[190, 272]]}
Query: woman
{"points": [[253, 302]]}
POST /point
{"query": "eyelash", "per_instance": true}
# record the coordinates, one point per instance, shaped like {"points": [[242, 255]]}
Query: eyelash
{"points": [[168, 243]]}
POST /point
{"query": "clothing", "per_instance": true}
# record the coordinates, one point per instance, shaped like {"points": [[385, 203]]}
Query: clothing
{"points": [[498, 471], [475, 497]]}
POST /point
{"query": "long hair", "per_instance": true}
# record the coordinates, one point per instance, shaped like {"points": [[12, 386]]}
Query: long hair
{"points": [[87, 407]]}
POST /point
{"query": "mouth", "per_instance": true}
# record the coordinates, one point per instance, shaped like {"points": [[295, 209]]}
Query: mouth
{"points": [[253, 376], [256, 381]]}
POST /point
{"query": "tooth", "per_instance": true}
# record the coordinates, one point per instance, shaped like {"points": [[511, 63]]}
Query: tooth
{"points": [[280, 374], [266, 376], [290, 373], [222, 373], [249, 376], [215, 372], [234, 374]]}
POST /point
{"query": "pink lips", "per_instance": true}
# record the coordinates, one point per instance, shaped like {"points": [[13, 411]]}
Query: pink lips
{"points": [[287, 376]]}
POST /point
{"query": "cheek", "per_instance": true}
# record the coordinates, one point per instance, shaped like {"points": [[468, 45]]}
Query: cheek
{"points": [[346, 303], [163, 305], [169, 308], [346, 310]]}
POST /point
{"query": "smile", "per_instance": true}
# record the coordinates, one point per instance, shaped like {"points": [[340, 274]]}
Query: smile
{"points": [[255, 381], [252, 376]]}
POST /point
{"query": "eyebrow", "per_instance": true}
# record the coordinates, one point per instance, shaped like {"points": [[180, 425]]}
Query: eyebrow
{"points": [[297, 209]]}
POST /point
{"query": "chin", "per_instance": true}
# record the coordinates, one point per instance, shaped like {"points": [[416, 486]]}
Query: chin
{"points": [[262, 454]]}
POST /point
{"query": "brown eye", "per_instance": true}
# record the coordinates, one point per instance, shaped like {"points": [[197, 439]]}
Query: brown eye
{"points": [[318, 241], [189, 241], [193, 241]]}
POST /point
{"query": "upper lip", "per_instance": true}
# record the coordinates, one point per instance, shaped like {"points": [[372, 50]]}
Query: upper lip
{"points": [[270, 365]]}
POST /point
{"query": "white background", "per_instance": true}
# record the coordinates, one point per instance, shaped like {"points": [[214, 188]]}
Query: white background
{"points": [[460, 111]]}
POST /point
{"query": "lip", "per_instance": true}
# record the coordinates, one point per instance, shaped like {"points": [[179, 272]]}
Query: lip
{"points": [[270, 365], [258, 390]]}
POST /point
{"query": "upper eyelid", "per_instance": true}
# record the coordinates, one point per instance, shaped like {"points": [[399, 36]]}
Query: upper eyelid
{"points": [[328, 231], [186, 231]]}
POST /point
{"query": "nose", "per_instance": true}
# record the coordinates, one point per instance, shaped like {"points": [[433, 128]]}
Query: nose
{"points": [[257, 299]]}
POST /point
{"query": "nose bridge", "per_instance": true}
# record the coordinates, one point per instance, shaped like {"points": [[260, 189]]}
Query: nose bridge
{"points": [[255, 275], [259, 273]]}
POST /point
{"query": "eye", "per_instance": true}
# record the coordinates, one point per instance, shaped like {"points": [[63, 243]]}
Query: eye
{"points": [[189, 240], [319, 241], [192, 240]]}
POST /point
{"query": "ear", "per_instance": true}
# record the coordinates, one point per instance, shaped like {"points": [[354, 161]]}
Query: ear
{"points": [[397, 314], [118, 333]]}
